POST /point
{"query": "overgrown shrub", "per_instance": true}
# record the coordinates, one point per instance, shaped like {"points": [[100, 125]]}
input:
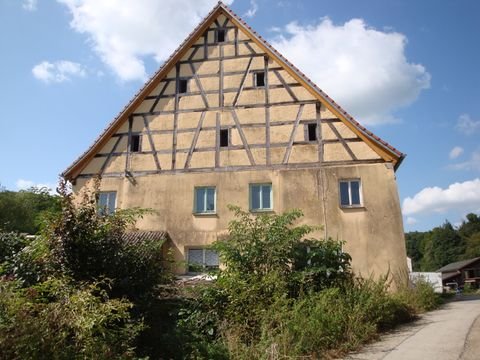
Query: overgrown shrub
{"points": [[58, 320], [88, 246]]}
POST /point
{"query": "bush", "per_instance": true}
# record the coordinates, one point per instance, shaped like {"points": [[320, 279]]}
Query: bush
{"points": [[88, 245], [56, 320]]}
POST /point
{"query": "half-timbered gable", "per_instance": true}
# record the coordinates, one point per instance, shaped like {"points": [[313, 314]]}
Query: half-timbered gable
{"points": [[227, 106]]}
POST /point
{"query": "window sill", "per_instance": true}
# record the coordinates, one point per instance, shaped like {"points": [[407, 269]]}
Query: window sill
{"points": [[353, 207], [206, 214], [262, 211]]}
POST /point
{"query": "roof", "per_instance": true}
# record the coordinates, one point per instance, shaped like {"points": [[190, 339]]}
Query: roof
{"points": [[455, 266], [387, 151], [137, 237]]}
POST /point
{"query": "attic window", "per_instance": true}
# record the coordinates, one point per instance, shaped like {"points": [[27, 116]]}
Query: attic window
{"points": [[220, 34], [224, 137], [311, 132], [182, 86], [259, 78], [135, 143]]}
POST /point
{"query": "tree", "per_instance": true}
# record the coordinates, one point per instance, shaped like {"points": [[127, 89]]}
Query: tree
{"points": [[23, 211]]}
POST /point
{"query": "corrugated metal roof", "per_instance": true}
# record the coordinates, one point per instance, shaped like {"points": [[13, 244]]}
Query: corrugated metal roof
{"points": [[457, 265]]}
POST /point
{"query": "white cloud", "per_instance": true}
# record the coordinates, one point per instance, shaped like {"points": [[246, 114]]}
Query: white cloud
{"points": [[23, 184], [463, 196], [29, 5], [363, 69], [58, 72], [253, 9], [455, 152], [466, 125], [124, 32], [473, 163], [411, 220]]}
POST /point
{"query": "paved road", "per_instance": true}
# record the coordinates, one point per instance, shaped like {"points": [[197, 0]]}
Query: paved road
{"points": [[450, 333]]}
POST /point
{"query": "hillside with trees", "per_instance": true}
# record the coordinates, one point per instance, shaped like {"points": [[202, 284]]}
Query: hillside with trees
{"points": [[23, 211], [430, 250]]}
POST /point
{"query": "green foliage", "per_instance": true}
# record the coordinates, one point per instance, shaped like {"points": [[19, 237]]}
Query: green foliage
{"points": [[24, 211], [444, 244], [10, 244], [57, 320], [284, 296], [88, 246]]}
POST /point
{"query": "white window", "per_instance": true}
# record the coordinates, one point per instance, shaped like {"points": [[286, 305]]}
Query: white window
{"points": [[106, 202], [350, 193], [200, 259], [205, 199], [260, 197]]}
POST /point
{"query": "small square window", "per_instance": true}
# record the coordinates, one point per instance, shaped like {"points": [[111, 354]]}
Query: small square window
{"points": [[260, 197], [202, 259], [135, 143], [182, 86], [205, 199], [311, 132], [224, 137], [350, 193], [106, 202], [259, 78], [221, 35]]}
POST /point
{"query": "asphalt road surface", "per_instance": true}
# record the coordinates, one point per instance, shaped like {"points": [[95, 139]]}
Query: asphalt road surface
{"points": [[450, 333]]}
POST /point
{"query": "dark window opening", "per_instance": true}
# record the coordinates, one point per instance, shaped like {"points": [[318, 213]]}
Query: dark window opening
{"points": [[221, 35], [312, 132], [135, 143], [182, 86], [259, 79], [224, 138]]}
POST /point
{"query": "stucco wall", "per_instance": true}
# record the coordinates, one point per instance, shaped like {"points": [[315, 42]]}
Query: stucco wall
{"points": [[373, 233]]}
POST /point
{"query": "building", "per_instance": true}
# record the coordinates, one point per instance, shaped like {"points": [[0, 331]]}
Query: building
{"points": [[228, 120], [461, 273]]}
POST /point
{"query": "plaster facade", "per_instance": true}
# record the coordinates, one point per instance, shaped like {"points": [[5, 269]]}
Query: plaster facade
{"points": [[268, 142]]}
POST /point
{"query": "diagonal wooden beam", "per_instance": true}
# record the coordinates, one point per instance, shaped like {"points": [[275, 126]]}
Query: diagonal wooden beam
{"points": [[242, 136], [342, 140], [152, 144], [285, 85], [194, 140], [242, 84], [159, 96], [192, 55], [217, 23], [225, 22], [199, 85], [292, 135], [249, 47], [104, 166]]}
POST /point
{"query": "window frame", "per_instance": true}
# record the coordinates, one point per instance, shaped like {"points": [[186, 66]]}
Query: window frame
{"points": [[195, 200], [187, 80], [250, 197], [360, 193], [203, 266], [217, 30], [229, 135], [139, 143], [306, 131], [255, 74], [109, 209]]}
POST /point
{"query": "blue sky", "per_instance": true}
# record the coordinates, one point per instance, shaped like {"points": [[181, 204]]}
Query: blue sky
{"points": [[408, 70]]}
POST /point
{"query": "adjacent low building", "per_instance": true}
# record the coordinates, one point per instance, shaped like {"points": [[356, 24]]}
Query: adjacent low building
{"points": [[228, 120], [461, 273]]}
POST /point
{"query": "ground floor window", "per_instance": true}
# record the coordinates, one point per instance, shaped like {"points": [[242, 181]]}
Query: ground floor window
{"points": [[350, 193], [106, 202], [260, 197], [201, 259]]}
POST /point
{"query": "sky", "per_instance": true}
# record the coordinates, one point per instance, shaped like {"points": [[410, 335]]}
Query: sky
{"points": [[408, 70]]}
